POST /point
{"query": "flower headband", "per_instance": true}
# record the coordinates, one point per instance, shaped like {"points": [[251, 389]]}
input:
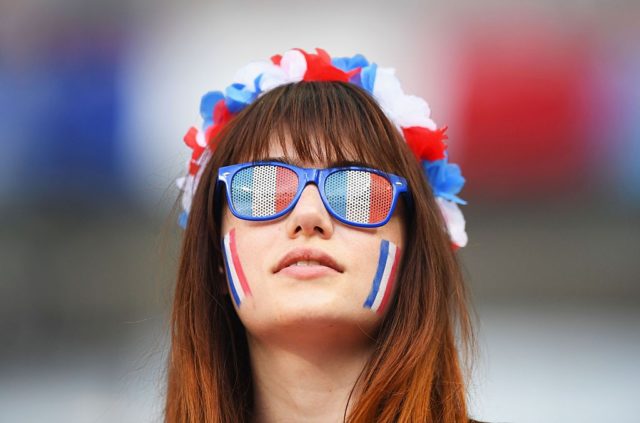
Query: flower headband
{"points": [[409, 113]]}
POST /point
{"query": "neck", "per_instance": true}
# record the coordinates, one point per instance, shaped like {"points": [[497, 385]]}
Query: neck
{"points": [[309, 382]]}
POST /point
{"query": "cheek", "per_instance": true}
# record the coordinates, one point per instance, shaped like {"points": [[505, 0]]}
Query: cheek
{"points": [[382, 285]]}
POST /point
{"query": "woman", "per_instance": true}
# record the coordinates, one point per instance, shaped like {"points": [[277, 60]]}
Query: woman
{"points": [[317, 280]]}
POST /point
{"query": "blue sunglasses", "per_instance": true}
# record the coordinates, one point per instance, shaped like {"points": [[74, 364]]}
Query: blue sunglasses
{"points": [[354, 195]]}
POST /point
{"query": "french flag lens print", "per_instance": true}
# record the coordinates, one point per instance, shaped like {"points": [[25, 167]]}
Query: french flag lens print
{"points": [[237, 279], [384, 278], [261, 191], [359, 196]]}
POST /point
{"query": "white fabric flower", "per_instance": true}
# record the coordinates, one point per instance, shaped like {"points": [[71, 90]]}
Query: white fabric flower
{"points": [[272, 78], [248, 74], [201, 139], [414, 111], [404, 110], [455, 221], [292, 68], [294, 65], [387, 90], [187, 186]]}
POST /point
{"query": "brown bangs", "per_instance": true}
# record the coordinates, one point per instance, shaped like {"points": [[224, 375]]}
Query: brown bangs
{"points": [[323, 122]]}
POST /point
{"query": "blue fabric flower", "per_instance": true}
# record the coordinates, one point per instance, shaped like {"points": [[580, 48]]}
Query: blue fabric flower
{"points": [[208, 102], [182, 219], [238, 96], [358, 61], [346, 64], [368, 77], [445, 178]]}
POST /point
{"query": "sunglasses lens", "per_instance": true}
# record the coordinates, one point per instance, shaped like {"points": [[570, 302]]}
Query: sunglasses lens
{"points": [[359, 196], [263, 190]]}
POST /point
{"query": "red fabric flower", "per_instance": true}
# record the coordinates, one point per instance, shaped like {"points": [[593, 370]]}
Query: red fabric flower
{"points": [[319, 68], [192, 143], [221, 116], [211, 134], [425, 143]]}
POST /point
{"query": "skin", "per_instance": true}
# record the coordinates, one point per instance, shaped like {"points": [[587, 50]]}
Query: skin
{"points": [[308, 339]]}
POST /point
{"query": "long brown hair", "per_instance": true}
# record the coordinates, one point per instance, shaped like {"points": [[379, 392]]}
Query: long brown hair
{"points": [[415, 373]]}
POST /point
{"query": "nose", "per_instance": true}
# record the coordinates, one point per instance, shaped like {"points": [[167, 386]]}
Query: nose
{"points": [[309, 216]]}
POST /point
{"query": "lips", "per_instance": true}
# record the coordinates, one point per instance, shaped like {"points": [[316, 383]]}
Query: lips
{"points": [[308, 254]]}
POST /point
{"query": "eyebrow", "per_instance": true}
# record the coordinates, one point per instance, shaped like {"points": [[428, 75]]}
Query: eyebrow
{"points": [[294, 162]]}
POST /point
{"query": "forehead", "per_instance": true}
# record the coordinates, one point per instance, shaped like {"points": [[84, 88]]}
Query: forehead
{"points": [[323, 156]]}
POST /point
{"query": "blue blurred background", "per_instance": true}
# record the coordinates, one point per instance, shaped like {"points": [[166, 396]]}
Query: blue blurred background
{"points": [[542, 100]]}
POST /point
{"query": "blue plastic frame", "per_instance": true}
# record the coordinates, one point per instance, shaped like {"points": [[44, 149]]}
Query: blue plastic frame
{"points": [[318, 177]]}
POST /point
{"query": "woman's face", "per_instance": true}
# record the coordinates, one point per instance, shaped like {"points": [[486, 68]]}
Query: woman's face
{"points": [[298, 301]]}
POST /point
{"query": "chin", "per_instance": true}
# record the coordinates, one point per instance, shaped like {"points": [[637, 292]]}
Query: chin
{"points": [[313, 321]]}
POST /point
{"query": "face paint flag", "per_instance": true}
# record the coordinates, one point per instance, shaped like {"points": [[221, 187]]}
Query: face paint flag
{"points": [[358, 196], [384, 277], [237, 280], [263, 190]]}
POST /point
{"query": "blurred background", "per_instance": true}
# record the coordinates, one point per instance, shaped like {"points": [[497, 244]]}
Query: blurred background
{"points": [[542, 100]]}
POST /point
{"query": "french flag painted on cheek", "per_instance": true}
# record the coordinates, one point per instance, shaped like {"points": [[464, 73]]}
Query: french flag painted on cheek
{"points": [[384, 277], [263, 190], [237, 280]]}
